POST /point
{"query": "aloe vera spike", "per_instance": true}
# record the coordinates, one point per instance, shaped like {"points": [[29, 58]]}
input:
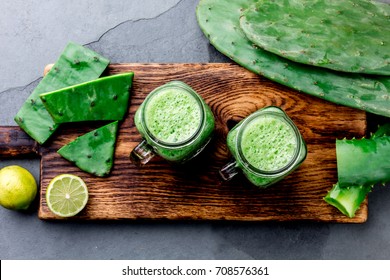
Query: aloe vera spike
{"points": [[383, 130], [75, 65], [219, 21], [102, 99]]}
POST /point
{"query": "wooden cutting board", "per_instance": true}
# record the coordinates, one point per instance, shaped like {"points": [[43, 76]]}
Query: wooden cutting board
{"points": [[161, 191]]}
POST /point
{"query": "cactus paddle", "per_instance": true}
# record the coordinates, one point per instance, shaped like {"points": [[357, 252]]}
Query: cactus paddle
{"points": [[75, 65], [219, 20], [343, 35], [102, 99]]}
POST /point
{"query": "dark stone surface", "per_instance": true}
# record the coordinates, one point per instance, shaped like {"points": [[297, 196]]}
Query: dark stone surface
{"points": [[33, 33]]}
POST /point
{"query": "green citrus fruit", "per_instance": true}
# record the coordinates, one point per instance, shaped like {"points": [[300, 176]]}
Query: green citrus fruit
{"points": [[66, 195], [17, 188]]}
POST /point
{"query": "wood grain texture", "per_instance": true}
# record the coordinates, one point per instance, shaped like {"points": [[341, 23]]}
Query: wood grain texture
{"points": [[14, 142], [166, 192]]}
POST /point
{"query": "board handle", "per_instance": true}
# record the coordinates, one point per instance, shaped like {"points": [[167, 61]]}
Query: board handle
{"points": [[14, 142]]}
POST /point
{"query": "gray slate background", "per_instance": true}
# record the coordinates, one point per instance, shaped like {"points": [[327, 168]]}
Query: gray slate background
{"points": [[33, 33]]}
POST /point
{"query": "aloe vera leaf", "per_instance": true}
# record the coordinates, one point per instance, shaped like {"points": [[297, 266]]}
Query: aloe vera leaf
{"points": [[219, 21], [93, 152], [347, 200], [106, 98], [343, 35], [76, 64], [363, 162]]}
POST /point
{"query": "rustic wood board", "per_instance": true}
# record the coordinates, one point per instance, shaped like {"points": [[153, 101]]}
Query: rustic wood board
{"points": [[194, 192]]}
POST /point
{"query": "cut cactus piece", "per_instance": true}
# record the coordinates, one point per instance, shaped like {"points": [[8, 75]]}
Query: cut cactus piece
{"points": [[363, 162], [93, 152], [219, 20], [343, 35], [102, 99], [347, 200], [75, 65]]}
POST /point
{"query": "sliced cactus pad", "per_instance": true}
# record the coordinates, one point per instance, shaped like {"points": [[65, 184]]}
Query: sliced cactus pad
{"points": [[343, 35], [220, 22], [75, 65], [93, 152], [102, 99]]}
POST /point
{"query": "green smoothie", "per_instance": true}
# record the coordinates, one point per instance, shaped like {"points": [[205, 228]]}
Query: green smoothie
{"points": [[173, 116], [175, 121], [268, 143], [267, 146]]}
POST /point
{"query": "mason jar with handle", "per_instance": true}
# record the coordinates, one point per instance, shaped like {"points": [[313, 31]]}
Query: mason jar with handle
{"points": [[266, 147], [175, 123]]}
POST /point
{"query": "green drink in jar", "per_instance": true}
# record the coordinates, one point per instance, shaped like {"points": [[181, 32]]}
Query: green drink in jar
{"points": [[175, 123], [266, 147]]}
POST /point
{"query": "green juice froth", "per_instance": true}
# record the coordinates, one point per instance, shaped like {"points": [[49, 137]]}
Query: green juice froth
{"points": [[268, 143], [173, 116]]}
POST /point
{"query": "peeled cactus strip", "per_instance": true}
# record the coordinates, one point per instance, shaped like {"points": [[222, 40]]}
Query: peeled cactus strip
{"points": [[93, 152], [102, 99], [75, 65], [219, 20]]}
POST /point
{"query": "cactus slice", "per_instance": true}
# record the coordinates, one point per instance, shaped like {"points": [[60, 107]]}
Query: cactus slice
{"points": [[219, 21], [93, 152], [343, 35], [75, 65], [106, 98], [348, 199]]}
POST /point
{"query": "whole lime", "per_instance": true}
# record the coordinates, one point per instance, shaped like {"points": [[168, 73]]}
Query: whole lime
{"points": [[17, 188]]}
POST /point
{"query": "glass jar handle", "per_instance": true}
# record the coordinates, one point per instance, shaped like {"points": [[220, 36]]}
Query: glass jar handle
{"points": [[229, 170], [142, 153]]}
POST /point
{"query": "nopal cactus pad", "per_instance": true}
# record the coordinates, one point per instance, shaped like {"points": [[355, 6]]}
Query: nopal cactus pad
{"points": [[75, 65], [106, 98], [93, 152], [343, 35], [220, 22]]}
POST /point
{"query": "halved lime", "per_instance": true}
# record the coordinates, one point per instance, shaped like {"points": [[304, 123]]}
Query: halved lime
{"points": [[66, 195]]}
